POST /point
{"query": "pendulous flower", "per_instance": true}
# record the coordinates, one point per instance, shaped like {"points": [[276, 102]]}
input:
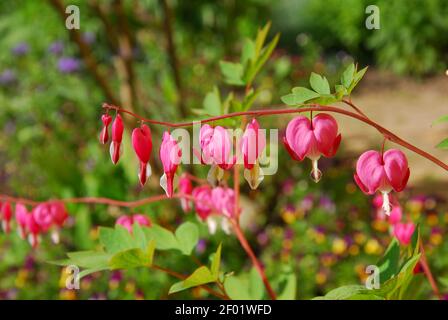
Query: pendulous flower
{"points": [[216, 150], [117, 136], [142, 143], [403, 232], [104, 135], [170, 155], [382, 172], [128, 221], [186, 188], [21, 215], [252, 146], [312, 139], [6, 215]]}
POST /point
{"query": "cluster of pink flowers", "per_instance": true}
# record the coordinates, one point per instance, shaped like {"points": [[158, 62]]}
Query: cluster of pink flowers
{"points": [[304, 138], [403, 231], [170, 153], [128, 221], [215, 206], [42, 218]]}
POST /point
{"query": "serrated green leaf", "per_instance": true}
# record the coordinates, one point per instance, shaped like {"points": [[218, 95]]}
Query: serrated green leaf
{"points": [[116, 240], [319, 83], [300, 95], [347, 75], [289, 99], [443, 144], [200, 276], [133, 258], [232, 72], [187, 235], [358, 76], [388, 264], [212, 102]]}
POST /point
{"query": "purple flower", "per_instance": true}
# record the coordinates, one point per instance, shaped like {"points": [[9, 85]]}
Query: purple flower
{"points": [[201, 246], [56, 47], [68, 65], [21, 49], [8, 76], [326, 203]]}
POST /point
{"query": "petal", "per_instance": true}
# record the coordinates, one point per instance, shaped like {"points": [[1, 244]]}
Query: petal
{"points": [[325, 130], [299, 136], [396, 167], [370, 171]]}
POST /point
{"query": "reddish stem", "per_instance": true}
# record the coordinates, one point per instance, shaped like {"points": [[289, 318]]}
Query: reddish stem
{"points": [[311, 107], [427, 270], [245, 244]]}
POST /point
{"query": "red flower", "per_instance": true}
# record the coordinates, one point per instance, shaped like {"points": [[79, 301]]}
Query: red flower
{"points": [[104, 136], [142, 143], [117, 135]]}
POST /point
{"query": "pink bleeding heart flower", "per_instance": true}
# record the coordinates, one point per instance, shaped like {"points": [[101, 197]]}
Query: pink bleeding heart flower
{"points": [[312, 139], [170, 155], [382, 172], [203, 201], [252, 146], [216, 150], [42, 216], [125, 221], [6, 215], [185, 188], [403, 232], [117, 136], [21, 219], [33, 229], [224, 201], [395, 215], [104, 135], [142, 143], [141, 219], [128, 221], [59, 215]]}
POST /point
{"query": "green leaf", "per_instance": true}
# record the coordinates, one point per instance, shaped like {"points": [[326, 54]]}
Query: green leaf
{"points": [[187, 236], [443, 144], [261, 38], [246, 286], [86, 272], [249, 99], [347, 75], [319, 83], [388, 264], [299, 95], [133, 258], [341, 91], [358, 76], [139, 236], [200, 276], [89, 259], [216, 262], [248, 53], [289, 285], [232, 72], [212, 102], [165, 239], [116, 240], [345, 292], [261, 60]]}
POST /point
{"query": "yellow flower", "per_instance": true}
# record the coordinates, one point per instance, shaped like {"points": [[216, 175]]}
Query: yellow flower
{"points": [[353, 250], [339, 246], [436, 239], [372, 247], [432, 219], [321, 278]]}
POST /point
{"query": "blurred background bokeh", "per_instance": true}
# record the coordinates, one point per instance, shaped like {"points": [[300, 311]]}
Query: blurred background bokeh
{"points": [[159, 59]]}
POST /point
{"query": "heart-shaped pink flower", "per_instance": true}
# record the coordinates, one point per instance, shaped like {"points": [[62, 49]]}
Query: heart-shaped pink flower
{"points": [[117, 136], [312, 139], [6, 215], [403, 232], [21, 219], [104, 136], [382, 172], [170, 155], [142, 143]]}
